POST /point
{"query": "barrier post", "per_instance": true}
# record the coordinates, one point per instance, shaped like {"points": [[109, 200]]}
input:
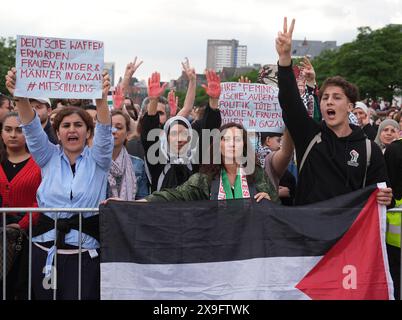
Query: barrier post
{"points": [[4, 256]]}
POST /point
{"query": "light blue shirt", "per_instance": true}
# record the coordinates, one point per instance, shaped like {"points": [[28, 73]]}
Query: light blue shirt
{"points": [[88, 185]]}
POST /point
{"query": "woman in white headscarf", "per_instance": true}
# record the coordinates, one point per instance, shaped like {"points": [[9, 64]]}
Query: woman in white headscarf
{"points": [[388, 131], [170, 153]]}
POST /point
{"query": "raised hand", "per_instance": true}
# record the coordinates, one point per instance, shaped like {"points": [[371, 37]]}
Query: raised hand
{"points": [[213, 87], [11, 80], [103, 114], [131, 68], [283, 43], [244, 80], [308, 71], [173, 102], [155, 90], [190, 72], [105, 84], [118, 97]]}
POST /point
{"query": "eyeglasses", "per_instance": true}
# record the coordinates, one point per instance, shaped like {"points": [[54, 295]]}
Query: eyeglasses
{"points": [[161, 113]]}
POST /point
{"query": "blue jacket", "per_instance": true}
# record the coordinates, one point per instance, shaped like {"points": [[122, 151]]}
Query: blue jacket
{"points": [[142, 180]]}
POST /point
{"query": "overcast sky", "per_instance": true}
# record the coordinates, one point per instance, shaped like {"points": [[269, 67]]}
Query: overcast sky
{"points": [[163, 33]]}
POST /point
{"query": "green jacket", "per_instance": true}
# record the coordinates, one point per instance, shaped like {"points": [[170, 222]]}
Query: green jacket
{"points": [[198, 187]]}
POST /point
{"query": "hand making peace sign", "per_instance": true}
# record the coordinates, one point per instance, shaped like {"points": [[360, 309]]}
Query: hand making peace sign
{"points": [[283, 43]]}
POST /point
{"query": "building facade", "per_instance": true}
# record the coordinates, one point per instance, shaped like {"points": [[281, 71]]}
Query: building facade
{"points": [[110, 67], [310, 48], [225, 53]]}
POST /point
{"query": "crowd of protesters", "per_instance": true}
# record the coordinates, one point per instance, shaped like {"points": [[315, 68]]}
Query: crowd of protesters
{"points": [[78, 153]]}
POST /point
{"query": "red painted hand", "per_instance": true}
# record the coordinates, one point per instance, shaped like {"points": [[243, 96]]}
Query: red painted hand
{"points": [[118, 97], [214, 84], [155, 90], [173, 102]]}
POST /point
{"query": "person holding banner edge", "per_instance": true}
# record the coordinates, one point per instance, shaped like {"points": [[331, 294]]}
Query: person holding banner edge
{"points": [[234, 176], [70, 172], [340, 146]]}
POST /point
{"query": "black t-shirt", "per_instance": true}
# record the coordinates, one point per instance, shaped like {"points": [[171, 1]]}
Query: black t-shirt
{"points": [[12, 169], [73, 170]]}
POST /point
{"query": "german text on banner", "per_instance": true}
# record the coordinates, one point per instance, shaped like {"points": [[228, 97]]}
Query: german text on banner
{"points": [[240, 249], [253, 105], [59, 68]]}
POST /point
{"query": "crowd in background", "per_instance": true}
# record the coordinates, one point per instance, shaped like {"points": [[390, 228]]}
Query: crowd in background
{"points": [[77, 153]]}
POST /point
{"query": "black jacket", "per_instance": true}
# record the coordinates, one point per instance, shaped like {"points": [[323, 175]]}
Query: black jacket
{"points": [[336, 165], [50, 133], [393, 158], [370, 131], [177, 174]]}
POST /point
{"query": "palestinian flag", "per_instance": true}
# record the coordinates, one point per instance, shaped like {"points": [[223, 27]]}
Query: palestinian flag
{"points": [[240, 249]]}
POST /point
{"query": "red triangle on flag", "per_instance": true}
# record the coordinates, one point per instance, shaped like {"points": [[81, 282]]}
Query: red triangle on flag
{"points": [[353, 268]]}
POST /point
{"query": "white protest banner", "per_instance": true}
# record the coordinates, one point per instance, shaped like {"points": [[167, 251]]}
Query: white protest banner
{"points": [[58, 68], [253, 105]]}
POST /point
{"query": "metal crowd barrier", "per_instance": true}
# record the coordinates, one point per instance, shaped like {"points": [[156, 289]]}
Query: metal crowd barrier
{"points": [[73, 210], [30, 211]]}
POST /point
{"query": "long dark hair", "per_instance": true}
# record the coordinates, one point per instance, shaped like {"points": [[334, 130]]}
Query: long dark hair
{"points": [[3, 148], [213, 170]]}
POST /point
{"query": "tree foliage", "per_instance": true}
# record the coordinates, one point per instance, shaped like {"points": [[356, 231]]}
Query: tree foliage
{"points": [[373, 62], [7, 59]]}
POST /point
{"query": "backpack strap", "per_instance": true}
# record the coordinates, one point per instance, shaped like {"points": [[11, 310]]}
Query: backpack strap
{"points": [[368, 155], [316, 139]]}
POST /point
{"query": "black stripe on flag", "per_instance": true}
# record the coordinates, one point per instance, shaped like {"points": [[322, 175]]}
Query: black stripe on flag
{"points": [[217, 231]]}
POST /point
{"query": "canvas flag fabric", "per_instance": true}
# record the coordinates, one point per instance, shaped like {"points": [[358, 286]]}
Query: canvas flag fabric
{"points": [[240, 249]]}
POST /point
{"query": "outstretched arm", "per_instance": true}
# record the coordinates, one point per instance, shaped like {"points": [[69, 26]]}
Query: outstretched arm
{"points": [[283, 43], [25, 110], [102, 108], [282, 157], [195, 188], [192, 84], [301, 127]]}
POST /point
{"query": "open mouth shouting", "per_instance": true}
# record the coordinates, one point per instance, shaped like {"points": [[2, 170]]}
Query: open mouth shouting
{"points": [[331, 114], [73, 138]]}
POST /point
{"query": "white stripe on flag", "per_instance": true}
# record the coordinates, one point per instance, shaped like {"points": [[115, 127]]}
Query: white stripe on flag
{"points": [[260, 278]]}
